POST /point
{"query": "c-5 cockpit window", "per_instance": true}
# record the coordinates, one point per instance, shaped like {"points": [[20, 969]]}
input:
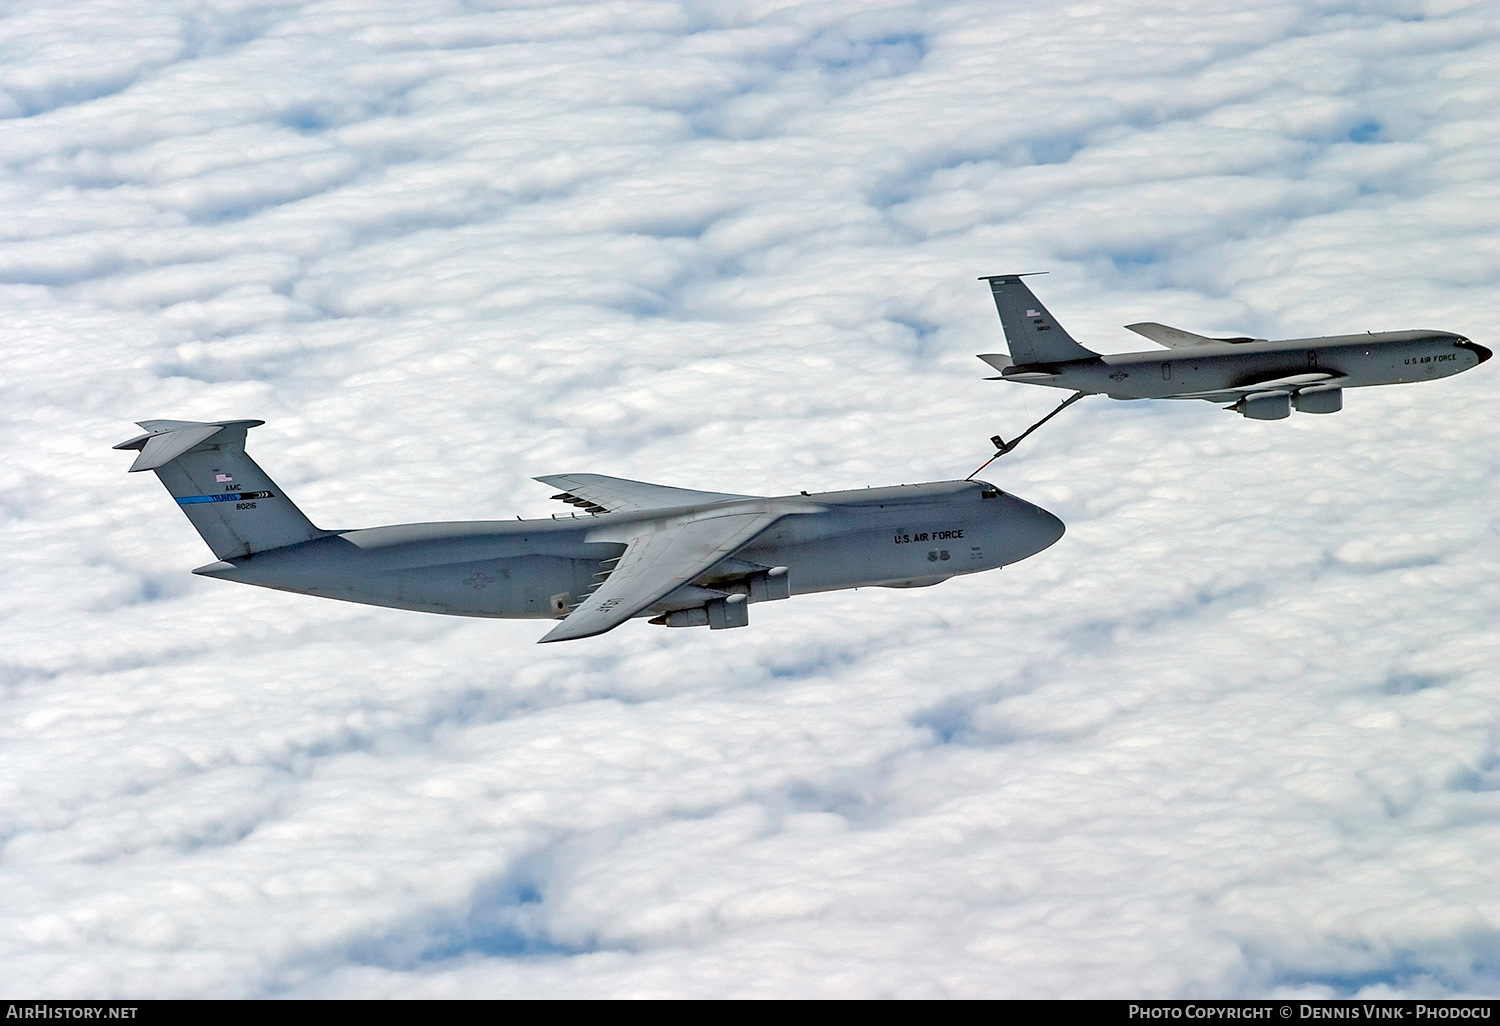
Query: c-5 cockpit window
{"points": [[990, 493]]}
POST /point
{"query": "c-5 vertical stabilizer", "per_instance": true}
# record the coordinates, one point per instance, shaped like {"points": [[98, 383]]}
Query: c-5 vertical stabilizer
{"points": [[1033, 333], [235, 507]]}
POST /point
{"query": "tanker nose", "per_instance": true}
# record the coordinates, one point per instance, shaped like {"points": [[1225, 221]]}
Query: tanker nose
{"points": [[1475, 348]]}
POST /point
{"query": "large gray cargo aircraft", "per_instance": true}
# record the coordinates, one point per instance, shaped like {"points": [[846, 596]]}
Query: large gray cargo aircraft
{"points": [[685, 558], [1259, 378]]}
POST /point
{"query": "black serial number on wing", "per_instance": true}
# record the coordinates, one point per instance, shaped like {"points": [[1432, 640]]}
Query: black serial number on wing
{"points": [[928, 536]]}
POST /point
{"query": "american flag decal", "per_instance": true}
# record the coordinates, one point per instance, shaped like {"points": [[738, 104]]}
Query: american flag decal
{"points": [[221, 478], [1033, 313]]}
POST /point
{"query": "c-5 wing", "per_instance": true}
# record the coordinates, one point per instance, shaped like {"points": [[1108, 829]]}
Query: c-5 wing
{"points": [[597, 493], [659, 561], [1176, 338]]}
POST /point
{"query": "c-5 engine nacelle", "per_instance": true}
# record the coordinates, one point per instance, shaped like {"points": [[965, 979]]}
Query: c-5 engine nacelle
{"points": [[734, 609]]}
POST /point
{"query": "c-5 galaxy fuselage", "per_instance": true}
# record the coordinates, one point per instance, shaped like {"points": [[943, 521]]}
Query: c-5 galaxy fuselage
{"points": [[683, 557], [1259, 378]]}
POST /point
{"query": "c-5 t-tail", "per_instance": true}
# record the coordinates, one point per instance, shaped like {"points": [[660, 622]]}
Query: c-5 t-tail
{"points": [[237, 509]]}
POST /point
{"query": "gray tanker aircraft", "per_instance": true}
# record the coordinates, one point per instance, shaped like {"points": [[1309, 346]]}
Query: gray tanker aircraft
{"points": [[685, 558], [1260, 378]]}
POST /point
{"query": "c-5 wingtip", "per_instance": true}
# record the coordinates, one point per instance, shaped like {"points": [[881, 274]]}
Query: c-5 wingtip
{"points": [[562, 633]]}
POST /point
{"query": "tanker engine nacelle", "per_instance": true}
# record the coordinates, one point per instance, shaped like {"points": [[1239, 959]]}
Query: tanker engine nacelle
{"points": [[1276, 405], [1319, 399], [1265, 406]]}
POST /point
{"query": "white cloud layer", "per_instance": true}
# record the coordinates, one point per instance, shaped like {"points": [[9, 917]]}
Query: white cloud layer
{"points": [[1235, 735]]}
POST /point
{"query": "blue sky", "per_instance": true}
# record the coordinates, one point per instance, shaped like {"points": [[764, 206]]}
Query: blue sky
{"points": [[1234, 735]]}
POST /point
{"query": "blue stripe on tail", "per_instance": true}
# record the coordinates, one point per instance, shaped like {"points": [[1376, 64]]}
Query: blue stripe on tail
{"points": [[190, 500]]}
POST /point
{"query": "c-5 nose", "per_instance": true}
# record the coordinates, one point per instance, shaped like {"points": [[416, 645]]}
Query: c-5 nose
{"points": [[1016, 529], [1028, 529], [1046, 529]]}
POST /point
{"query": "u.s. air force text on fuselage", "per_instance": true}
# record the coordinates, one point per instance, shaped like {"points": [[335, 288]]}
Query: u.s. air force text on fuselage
{"points": [[951, 534], [1259, 378], [680, 556]]}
